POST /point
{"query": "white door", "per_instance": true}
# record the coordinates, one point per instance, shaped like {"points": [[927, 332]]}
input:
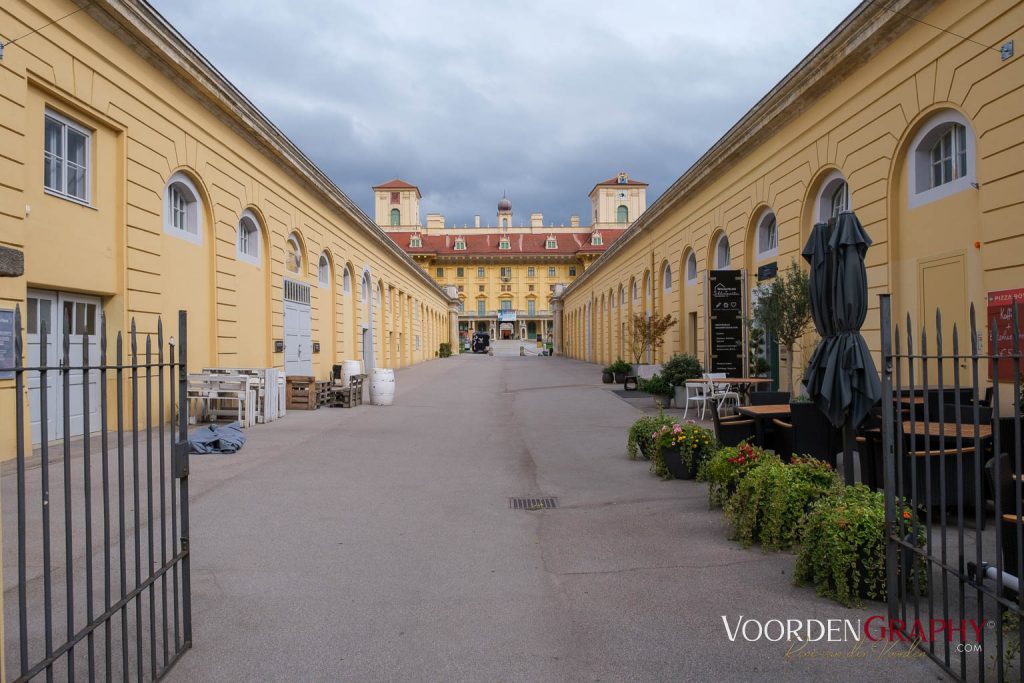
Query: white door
{"points": [[298, 344], [81, 313]]}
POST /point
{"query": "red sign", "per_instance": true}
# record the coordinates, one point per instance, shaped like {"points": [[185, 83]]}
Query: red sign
{"points": [[1000, 308]]}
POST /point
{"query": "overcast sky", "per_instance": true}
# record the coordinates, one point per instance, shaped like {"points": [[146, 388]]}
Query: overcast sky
{"points": [[467, 99]]}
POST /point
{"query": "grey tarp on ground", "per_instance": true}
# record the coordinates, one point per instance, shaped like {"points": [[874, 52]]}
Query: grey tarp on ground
{"points": [[841, 378], [217, 439]]}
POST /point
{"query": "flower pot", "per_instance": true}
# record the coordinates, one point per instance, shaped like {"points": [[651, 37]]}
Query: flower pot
{"points": [[673, 459], [662, 401], [607, 377], [680, 396], [620, 377]]}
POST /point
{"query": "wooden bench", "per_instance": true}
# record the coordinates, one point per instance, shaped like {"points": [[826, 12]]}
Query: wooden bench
{"points": [[211, 392], [342, 396]]}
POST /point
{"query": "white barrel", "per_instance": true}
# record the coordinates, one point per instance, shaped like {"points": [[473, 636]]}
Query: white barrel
{"points": [[382, 386], [349, 368]]}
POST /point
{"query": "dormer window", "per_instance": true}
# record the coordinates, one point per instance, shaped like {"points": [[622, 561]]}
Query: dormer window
{"points": [[551, 243], [460, 244], [504, 243], [415, 242], [596, 239]]}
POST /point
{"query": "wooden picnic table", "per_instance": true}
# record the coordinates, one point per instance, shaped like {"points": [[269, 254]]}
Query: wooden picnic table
{"points": [[762, 414]]}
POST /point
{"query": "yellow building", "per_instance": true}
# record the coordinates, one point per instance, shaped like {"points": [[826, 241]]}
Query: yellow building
{"points": [[138, 181], [505, 275], [917, 130]]}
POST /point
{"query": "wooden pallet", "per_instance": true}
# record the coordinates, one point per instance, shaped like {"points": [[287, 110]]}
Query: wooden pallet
{"points": [[323, 393], [301, 392], [347, 396]]}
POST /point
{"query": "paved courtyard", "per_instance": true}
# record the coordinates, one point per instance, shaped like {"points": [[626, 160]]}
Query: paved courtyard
{"points": [[378, 544]]}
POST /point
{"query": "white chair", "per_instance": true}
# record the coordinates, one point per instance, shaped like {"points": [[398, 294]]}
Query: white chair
{"points": [[697, 392], [724, 394]]}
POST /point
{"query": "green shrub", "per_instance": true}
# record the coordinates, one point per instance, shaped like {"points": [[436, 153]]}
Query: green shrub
{"points": [[656, 386], [680, 368], [445, 350], [771, 500], [842, 550], [726, 466], [639, 442], [620, 367], [695, 444]]}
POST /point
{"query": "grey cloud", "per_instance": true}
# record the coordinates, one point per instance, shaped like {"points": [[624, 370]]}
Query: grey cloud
{"points": [[467, 99]]}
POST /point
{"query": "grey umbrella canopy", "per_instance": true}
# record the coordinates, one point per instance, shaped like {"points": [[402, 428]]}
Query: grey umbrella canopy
{"points": [[841, 378]]}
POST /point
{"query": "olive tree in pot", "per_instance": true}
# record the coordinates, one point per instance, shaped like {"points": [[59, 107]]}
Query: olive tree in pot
{"points": [[678, 370], [620, 369], [783, 310], [607, 376], [646, 336]]}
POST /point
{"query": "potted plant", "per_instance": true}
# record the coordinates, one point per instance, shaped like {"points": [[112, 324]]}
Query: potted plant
{"points": [[771, 500], [783, 310], [679, 369], [620, 369], [640, 440], [646, 335], [680, 450], [607, 376], [724, 469], [658, 388], [842, 550]]}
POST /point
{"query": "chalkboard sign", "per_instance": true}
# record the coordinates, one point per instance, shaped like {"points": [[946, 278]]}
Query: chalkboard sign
{"points": [[725, 315], [1000, 308], [6, 343]]}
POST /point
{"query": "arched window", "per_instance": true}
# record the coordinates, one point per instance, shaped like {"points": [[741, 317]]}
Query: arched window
{"points": [[691, 268], [293, 256], [635, 294], [324, 270], [834, 197], [504, 222], [396, 217], [183, 213], [249, 238], [346, 281], [364, 287], [767, 235], [622, 214], [622, 295], [666, 278], [722, 255], [941, 159]]}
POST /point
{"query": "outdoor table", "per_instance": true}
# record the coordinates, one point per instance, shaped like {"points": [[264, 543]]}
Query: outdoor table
{"points": [[948, 429], [761, 414]]}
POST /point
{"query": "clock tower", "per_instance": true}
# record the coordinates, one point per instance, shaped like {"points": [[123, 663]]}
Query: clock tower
{"points": [[618, 201]]}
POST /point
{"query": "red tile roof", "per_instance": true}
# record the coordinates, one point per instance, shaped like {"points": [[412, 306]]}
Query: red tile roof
{"points": [[397, 184], [615, 181], [519, 243]]}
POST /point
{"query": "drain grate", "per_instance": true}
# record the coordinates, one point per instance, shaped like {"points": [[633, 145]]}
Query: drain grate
{"points": [[533, 503]]}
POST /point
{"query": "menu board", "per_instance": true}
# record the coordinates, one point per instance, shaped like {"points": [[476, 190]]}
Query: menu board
{"points": [[6, 343], [1000, 307], [725, 316]]}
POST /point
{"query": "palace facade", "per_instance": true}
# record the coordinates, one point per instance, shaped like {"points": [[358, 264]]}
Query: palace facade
{"points": [[506, 275]]}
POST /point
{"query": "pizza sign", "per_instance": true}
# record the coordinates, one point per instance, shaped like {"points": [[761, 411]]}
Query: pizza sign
{"points": [[1002, 343]]}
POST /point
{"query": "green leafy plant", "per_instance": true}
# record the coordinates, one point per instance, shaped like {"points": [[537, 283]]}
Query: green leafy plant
{"points": [[680, 368], [726, 466], [647, 333], [695, 445], [783, 310], [656, 386], [756, 344], [444, 350], [771, 500], [640, 440], [842, 549], [620, 367]]}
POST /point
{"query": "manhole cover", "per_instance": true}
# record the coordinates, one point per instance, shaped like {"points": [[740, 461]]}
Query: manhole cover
{"points": [[533, 503]]}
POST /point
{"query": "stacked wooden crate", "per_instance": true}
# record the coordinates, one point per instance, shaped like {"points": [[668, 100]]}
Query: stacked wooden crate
{"points": [[323, 393], [302, 392]]}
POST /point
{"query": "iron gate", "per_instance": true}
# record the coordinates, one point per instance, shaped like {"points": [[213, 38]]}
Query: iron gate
{"points": [[952, 449], [103, 553]]}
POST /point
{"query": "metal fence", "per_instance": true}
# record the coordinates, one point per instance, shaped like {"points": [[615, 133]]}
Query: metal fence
{"points": [[102, 520], [952, 456]]}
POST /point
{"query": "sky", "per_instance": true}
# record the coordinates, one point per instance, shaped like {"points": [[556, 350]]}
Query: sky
{"points": [[472, 99]]}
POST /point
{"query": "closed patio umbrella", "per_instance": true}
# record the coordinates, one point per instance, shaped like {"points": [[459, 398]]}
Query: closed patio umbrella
{"points": [[841, 379]]}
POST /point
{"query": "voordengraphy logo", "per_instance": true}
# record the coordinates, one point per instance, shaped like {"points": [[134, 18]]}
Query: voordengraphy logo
{"points": [[877, 629]]}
